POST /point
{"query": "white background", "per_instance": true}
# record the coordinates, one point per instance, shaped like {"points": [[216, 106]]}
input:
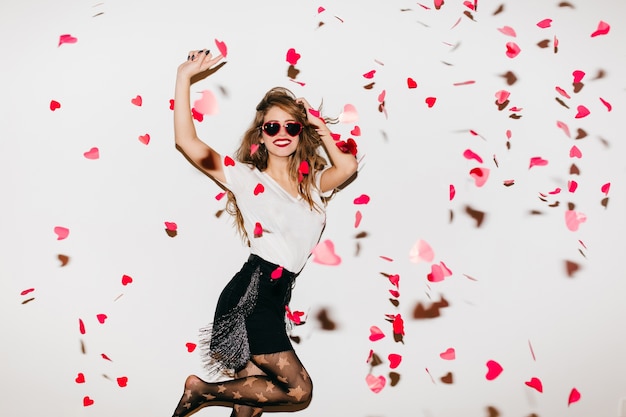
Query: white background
{"points": [[510, 297]]}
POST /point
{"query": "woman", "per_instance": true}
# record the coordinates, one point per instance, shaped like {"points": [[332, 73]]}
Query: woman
{"points": [[277, 187]]}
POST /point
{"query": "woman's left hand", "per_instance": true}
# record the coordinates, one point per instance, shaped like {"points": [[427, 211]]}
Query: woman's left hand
{"points": [[312, 115]]}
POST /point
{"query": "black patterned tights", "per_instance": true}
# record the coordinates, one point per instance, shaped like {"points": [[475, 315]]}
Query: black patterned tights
{"points": [[274, 380]]}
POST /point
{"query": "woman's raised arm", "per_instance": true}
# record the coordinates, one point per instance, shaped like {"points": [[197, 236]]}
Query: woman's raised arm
{"points": [[199, 153]]}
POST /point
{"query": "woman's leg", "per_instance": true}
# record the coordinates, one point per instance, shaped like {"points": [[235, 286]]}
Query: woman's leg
{"points": [[245, 410], [285, 383]]}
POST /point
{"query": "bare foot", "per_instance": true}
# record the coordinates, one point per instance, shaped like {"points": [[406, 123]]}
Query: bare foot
{"points": [[193, 399]]}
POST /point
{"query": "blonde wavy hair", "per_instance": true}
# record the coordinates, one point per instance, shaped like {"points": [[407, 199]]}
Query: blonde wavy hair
{"points": [[307, 150]]}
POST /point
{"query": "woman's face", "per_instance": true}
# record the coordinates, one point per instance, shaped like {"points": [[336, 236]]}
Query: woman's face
{"points": [[282, 143]]}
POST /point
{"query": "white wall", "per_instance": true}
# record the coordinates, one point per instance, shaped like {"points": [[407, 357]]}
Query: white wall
{"points": [[519, 301]]}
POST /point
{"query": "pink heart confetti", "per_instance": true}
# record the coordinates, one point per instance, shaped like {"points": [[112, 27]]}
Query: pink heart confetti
{"points": [[87, 401], [574, 396], [410, 82], [535, 383], [605, 188], [292, 56], [574, 152], [480, 176], [572, 186], [606, 104], [375, 383], [430, 101], [349, 114], [573, 219], [54, 105], [228, 161], [578, 76], [258, 230], [207, 104], [171, 226], [508, 183], [438, 273], [603, 29], [122, 381], [394, 360], [562, 92], [137, 101], [145, 139], [362, 199], [356, 131], [277, 273], [545, 23], [324, 254], [67, 38], [438, 4], [221, 46], [253, 148], [93, 153], [564, 128], [357, 219], [512, 49], [421, 251], [320, 9], [452, 192], [469, 154], [61, 232], [582, 112], [80, 378], [190, 346], [381, 96], [460, 83], [493, 370], [537, 161], [448, 355], [102, 318], [259, 189], [126, 280], [508, 31], [376, 334], [369, 75], [502, 96]]}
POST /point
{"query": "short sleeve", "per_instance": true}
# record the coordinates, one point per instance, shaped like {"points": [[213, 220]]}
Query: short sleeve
{"points": [[318, 180], [237, 175]]}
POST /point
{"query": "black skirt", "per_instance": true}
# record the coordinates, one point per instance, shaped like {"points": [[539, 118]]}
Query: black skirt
{"points": [[249, 317]]}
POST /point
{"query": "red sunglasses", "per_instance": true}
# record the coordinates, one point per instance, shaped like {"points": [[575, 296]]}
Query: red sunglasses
{"points": [[292, 128]]}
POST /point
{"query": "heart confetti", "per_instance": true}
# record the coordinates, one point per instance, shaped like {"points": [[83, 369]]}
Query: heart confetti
{"points": [[469, 154], [480, 176], [375, 383], [574, 396], [535, 383], [603, 29], [537, 161], [574, 152], [349, 114], [67, 38], [493, 370], [394, 360], [362, 199], [508, 31], [101, 318], [221, 46], [369, 75], [122, 381], [357, 219], [292, 56], [61, 232], [376, 334], [228, 161], [54, 105], [93, 153], [207, 104], [452, 192], [137, 101], [145, 139], [277, 273], [545, 23], [430, 101], [324, 254], [87, 401], [573, 219], [448, 355], [259, 189], [80, 378], [410, 82], [126, 280], [421, 251], [190, 346], [258, 230], [512, 49]]}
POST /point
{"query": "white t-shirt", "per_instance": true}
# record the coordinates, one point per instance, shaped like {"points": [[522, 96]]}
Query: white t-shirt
{"points": [[290, 227]]}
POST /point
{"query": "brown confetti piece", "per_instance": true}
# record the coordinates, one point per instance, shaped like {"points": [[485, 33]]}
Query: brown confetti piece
{"points": [[28, 300], [83, 350], [503, 105], [451, 216], [219, 213], [571, 206], [600, 74], [421, 312], [469, 15], [578, 86], [555, 204], [605, 202], [64, 259], [533, 415], [561, 102], [448, 378], [394, 302], [296, 339], [581, 134], [369, 86], [493, 412], [292, 72], [573, 170], [394, 378], [171, 233], [544, 43], [510, 77], [515, 116], [566, 4], [361, 235], [571, 268], [375, 360], [499, 10], [477, 215], [325, 321], [535, 212]]}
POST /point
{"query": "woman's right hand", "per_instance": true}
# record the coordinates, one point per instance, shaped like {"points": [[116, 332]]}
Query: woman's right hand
{"points": [[197, 62]]}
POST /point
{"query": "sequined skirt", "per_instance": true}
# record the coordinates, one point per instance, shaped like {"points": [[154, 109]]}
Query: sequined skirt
{"points": [[249, 317]]}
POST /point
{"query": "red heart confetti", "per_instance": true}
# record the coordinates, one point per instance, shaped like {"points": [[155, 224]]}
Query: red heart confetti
{"points": [[348, 115], [480, 176], [572, 186], [80, 378], [93, 153], [398, 325], [362, 199], [356, 131], [469, 154], [605, 188], [375, 383], [578, 76], [105, 357], [452, 192], [603, 29], [259, 189], [190, 346], [574, 152], [61, 232], [535, 383], [28, 291], [537, 161], [320, 9], [277, 273], [358, 216], [574, 396], [448, 355], [545, 23], [512, 49], [87, 401], [582, 112], [430, 101], [137, 101], [369, 75], [394, 360], [324, 254], [171, 226], [460, 83], [381, 96], [410, 82], [438, 272], [295, 316], [493, 370], [292, 56], [303, 168], [66, 38], [562, 92], [145, 139], [228, 161], [608, 105], [122, 381], [197, 115], [221, 195], [438, 4], [258, 230], [101, 318], [376, 334], [221, 46], [54, 105], [81, 326], [126, 280], [172, 104]]}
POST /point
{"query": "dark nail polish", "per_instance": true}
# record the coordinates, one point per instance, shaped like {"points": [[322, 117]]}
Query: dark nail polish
{"points": [[207, 51]]}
